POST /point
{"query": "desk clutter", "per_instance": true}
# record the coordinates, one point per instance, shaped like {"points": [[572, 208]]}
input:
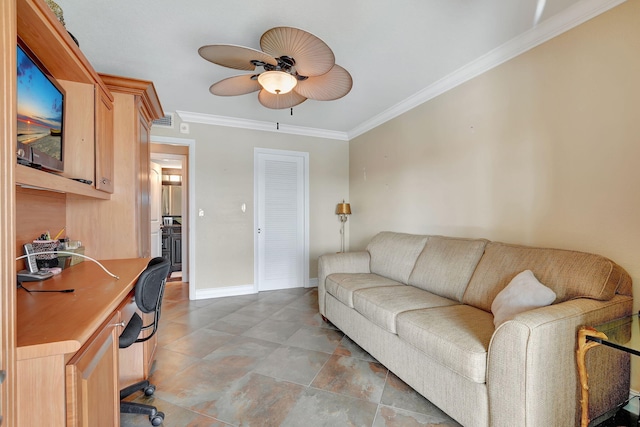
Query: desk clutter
{"points": [[44, 249]]}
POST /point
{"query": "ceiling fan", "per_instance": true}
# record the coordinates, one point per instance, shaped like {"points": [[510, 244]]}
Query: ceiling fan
{"points": [[297, 66]]}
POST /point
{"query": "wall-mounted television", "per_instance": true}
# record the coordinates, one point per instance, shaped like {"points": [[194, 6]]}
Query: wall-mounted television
{"points": [[40, 114]]}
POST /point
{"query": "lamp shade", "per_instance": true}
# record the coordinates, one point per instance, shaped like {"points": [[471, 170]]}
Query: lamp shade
{"points": [[343, 209], [277, 82]]}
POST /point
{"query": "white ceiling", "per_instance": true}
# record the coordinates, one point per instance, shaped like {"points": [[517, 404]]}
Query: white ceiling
{"points": [[393, 50]]}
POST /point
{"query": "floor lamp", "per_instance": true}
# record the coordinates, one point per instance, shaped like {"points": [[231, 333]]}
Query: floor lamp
{"points": [[343, 209]]}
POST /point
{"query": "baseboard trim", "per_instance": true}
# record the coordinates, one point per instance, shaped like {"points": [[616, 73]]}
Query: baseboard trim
{"points": [[234, 291], [229, 291]]}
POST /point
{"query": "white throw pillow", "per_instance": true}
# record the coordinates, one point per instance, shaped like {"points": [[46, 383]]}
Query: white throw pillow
{"points": [[523, 293]]}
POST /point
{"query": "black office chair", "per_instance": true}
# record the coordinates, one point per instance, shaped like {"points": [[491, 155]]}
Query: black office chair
{"points": [[148, 295]]}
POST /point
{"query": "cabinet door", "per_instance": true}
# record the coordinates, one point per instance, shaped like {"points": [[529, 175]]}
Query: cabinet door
{"points": [[93, 396], [79, 130], [104, 143], [144, 191], [176, 250]]}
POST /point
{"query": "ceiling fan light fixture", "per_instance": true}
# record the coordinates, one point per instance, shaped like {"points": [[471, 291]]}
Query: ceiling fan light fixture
{"points": [[277, 82]]}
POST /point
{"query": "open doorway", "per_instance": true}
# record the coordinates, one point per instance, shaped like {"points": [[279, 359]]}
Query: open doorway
{"points": [[173, 206]]}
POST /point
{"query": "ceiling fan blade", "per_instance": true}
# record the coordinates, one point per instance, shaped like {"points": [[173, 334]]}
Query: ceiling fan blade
{"points": [[237, 85], [278, 102], [238, 57], [332, 85], [313, 57]]}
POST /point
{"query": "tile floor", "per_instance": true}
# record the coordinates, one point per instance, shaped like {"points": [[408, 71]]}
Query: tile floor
{"points": [[270, 360]]}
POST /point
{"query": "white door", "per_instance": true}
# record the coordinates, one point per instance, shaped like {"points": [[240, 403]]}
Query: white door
{"points": [[282, 248], [155, 177]]}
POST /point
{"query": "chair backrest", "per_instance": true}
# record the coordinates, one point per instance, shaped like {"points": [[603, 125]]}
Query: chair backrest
{"points": [[150, 285], [149, 291]]}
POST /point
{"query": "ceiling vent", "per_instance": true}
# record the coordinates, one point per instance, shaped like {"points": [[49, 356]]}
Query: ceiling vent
{"points": [[164, 122]]}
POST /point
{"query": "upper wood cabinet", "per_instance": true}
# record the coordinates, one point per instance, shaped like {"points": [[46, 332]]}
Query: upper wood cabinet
{"points": [[136, 105], [50, 42], [88, 106]]}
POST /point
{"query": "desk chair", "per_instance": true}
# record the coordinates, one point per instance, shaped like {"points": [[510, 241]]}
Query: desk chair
{"points": [[148, 295]]}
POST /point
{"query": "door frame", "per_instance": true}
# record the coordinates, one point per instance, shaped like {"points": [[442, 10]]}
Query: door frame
{"points": [[305, 156], [190, 273]]}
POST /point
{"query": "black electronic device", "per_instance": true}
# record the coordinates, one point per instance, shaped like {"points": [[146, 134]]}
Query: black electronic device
{"points": [[40, 105], [84, 181]]}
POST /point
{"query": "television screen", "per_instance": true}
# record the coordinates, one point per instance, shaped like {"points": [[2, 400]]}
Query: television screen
{"points": [[40, 114]]}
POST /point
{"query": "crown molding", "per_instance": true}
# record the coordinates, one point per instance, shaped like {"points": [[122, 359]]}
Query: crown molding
{"points": [[210, 119], [554, 26]]}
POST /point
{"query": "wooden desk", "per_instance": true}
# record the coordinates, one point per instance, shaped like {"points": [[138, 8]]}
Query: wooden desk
{"points": [[67, 345]]}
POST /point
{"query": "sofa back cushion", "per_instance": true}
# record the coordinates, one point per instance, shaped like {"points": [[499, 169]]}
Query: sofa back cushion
{"points": [[570, 274], [446, 264], [393, 255]]}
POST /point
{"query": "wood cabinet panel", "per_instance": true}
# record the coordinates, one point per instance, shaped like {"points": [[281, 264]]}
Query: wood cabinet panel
{"points": [[131, 358], [8, 132], [104, 144], [79, 131], [136, 104], [50, 181], [93, 396], [149, 348], [38, 211], [144, 185], [136, 361], [41, 380]]}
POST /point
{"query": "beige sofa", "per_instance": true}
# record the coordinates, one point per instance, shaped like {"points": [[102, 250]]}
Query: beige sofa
{"points": [[421, 305]]}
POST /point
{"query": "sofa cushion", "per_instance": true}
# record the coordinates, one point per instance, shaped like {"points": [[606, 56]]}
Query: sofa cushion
{"points": [[343, 285], [393, 255], [456, 336], [570, 274], [382, 305], [446, 264], [523, 293]]}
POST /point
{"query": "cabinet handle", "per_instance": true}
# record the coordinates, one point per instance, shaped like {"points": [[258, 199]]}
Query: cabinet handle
{"points": [[104, 181], [122, 324]]}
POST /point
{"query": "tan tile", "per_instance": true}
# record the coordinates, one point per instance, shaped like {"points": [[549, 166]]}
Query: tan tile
{"points": [[352, 377], [199, 343]]}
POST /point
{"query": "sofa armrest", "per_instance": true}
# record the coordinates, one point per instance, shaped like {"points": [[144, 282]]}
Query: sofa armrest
{"points": [[532, 376], [344, 262]]}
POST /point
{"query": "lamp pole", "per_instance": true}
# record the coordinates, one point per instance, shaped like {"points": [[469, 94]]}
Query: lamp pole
{"points": [[343, 219], [343, 210]]}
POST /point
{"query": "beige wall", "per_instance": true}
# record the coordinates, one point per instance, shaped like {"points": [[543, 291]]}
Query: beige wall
{"points": [[224, 181], [542, 150]]}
